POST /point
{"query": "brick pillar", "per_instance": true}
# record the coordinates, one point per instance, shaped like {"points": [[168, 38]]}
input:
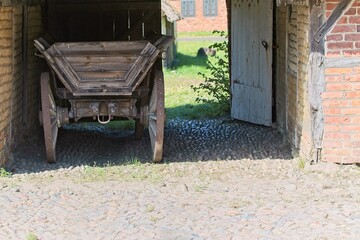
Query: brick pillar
{"points": [[6, 43]]}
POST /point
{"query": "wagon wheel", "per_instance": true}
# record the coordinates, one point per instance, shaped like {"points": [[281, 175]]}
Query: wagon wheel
{"points": [[157, 117], [49, 117]]}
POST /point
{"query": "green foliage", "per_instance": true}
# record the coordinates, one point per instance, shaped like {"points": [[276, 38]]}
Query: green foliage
{"points": [[32, 236], [216, 85], [4, 173]]}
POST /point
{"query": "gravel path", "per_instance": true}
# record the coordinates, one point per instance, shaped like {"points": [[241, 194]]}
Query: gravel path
{"points": [[246, 186]]}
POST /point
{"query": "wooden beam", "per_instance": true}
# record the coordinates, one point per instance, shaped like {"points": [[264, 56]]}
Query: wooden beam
{"points": [[334, 17]]}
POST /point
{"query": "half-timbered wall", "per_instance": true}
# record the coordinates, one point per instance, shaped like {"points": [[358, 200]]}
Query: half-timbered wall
{"points": [[341, 100], [18, 81]]}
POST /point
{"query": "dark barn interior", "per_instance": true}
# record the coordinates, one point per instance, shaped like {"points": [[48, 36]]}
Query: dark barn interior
{"points": [[97, 20]]}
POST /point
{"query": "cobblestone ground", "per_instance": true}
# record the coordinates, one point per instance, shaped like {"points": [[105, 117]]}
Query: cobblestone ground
{"points": [[260, 195]]}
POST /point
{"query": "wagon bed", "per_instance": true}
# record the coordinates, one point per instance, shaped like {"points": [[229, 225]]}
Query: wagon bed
{"points": [[102, 68]]}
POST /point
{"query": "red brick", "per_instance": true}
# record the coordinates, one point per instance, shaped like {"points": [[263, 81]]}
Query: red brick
{"points": [[355, 137], [334, 37], [337, 120], [336, 103], [354, 78], [351, 11], [354, 19], [355, 103], [339, 151], [332, 128], [340, 45], [339, 86], [356, 86], [350, 111], [355, 94], [344, 29], [352, 37], [341, 136], [356, 152], [334, 78], [332, 95], [333, 53], [351, 144], [351, 52], [350, 159], [332, 111], [332, 158], [350, 128], [342, 20], [330, 6], [355, 120], [332, 143], [356, 69], [337, 71]]}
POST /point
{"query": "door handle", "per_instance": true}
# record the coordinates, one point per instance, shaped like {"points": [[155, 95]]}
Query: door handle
{"points": [[265, 44]]}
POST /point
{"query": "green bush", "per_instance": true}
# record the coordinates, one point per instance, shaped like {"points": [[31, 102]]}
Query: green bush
{"points": [[216, 85]]}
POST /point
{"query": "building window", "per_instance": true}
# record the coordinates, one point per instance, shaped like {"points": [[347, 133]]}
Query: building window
{"points": [[210, 8], [188, 8]]}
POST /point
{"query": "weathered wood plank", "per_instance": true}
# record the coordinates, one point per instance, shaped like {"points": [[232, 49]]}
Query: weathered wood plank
{"points": [[98, 77], [100, 67], [121, 47], [95, 60], [334, 17], [316, 88]]}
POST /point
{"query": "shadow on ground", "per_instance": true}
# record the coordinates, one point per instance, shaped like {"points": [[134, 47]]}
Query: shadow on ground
{"points": [[183, 60], [185, 140]]}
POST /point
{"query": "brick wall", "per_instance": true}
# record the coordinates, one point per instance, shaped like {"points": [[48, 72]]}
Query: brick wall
{"points": [[293, 113], [341, 100], [6, 53], [201, 22], [15, 110]]}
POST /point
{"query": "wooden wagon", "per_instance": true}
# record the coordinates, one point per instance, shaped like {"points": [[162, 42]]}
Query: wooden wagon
{"points": [[103, 81]]}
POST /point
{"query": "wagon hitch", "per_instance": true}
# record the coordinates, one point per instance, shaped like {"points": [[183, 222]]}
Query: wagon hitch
{"points": [[105, 109], [104, 122]]}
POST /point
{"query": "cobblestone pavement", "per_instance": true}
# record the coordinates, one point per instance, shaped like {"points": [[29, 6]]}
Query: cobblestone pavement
{"points": [[259, 192], [244, 199]]}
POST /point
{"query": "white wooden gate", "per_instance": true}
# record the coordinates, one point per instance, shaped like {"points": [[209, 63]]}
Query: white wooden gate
{"points": [[251, 62]]}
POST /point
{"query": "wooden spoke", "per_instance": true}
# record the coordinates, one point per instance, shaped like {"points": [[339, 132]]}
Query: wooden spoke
{"points": [[49, 117], [157, 117]]}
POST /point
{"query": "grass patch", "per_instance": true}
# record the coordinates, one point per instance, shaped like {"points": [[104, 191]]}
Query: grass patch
{"points": [[301, 163], [32, 236], [180, 99], [4, 173]]}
